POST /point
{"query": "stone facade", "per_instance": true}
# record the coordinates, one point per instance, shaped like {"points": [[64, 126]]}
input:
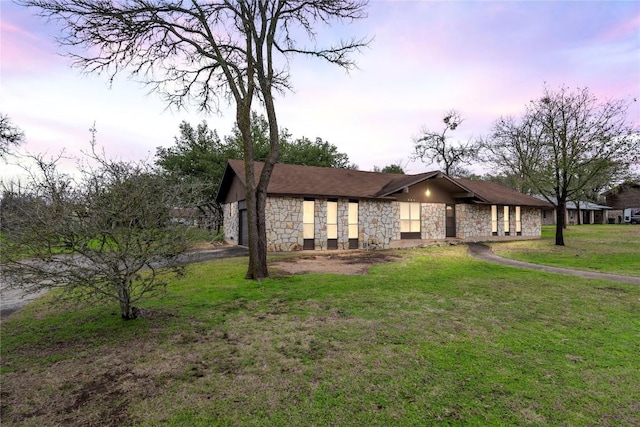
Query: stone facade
{"points": [[473, 221], [284, 224], [433, 221], [531, 222], [230, 222], [379, 224]]}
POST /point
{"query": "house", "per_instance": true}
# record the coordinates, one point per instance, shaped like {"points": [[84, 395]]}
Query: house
{"points": [[325, 208], [186, 216], [621, 198], [578, 213]]}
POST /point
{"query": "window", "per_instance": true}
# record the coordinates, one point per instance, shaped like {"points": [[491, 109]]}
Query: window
{"points": [[332, 225], [353, 225], [518, 222], [409, 220], [506, 221], [494, 220], [308, 223]]}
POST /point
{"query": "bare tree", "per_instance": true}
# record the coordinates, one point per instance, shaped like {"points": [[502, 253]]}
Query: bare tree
{"points": [[10, 136], [436, 147], [107, 234], [208, 52], [565, 142]]}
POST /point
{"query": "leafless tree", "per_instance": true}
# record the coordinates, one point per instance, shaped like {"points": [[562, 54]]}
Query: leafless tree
{"points": [[207, 52], [105, 234], [436, 147], [10, 136], [565, 141]]}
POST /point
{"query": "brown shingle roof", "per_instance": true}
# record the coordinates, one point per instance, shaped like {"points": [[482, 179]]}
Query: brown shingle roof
{"points": [[496, 194], [312, 181]]}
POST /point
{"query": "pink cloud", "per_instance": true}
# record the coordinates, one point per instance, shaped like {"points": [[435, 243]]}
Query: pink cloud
{"points": [[24, 51], [629, 27]]}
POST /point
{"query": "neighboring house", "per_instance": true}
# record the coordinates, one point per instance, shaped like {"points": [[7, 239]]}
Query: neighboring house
{"points": [[591, 214], [325, 208], [624, 196], [187, 216]]}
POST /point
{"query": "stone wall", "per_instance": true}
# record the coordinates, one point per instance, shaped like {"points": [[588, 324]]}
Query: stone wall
{"points": [[230, 222], [531, 222], [284, 224], [474, 221], [378, 223], [433, 221]]}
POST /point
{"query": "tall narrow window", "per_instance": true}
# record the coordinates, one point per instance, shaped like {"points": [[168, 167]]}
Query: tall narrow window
{"points": [[494, 220], [506, 221], [409, 220], [353, 225], [308, 223], [518, 222], [332, 225]]}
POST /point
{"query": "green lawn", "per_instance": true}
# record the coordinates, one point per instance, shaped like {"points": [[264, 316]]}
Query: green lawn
{"points": [[605, 248], [436, 338]]}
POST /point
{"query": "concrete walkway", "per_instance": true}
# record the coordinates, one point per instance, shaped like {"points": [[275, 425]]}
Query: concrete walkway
{"points": [[485, 253]]}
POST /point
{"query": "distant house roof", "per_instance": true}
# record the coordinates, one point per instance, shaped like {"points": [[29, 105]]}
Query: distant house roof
{"points": [[621, 187], [585, 206], [624, 196], [312, 181]]}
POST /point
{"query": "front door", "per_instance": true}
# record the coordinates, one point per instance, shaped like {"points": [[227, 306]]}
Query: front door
{"points": [[451, 220]]}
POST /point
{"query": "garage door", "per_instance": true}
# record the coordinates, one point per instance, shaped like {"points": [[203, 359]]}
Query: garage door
{"points": [[243, 238]]}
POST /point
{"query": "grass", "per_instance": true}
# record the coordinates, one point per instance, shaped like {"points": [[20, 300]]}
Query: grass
{"points": [[436, 338], [604, 248]]}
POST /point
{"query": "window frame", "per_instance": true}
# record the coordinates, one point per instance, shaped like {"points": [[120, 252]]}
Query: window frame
{"points": [[494, 220], [353, 218], [332, 224], [308, 227], [408, 213], [506, 218]]}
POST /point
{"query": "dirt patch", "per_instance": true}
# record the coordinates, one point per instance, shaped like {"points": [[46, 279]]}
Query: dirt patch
{"points": [[352, 263]]}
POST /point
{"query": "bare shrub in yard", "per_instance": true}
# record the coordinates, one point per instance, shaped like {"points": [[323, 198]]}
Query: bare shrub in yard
{"points": [[106, 234]]}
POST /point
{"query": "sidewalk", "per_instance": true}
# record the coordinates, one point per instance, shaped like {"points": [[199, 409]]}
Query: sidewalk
{"points": [[484, 253]]}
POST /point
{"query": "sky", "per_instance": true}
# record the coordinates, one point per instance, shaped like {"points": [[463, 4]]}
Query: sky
{"points": [[486, 59]]}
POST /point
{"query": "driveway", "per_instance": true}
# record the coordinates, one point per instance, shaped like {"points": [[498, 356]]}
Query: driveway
{"points": [[12, 300], [485, 253]]}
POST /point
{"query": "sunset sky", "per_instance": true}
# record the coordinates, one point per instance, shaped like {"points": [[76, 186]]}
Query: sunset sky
{"points": [[485, 59]]}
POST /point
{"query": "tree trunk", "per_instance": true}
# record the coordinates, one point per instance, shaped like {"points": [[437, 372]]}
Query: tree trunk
{"points": [[257, 262], [560, 213], [264, 72], [127, 311]]}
